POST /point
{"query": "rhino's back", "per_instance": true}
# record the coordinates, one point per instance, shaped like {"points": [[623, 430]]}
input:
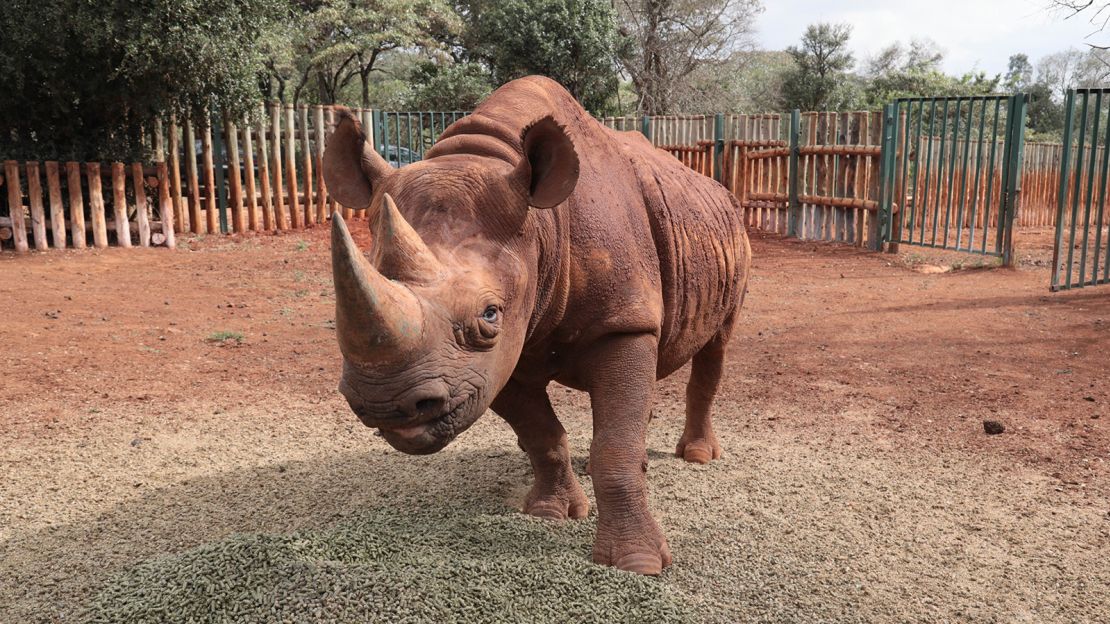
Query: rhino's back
{"points": [[702, 249], [647, 243]]}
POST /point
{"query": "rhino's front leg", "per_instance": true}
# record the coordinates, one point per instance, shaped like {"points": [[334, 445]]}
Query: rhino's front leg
{"points": [[620, 373], [556, 493]]}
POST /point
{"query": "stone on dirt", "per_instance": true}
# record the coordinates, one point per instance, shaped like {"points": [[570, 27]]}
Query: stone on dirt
{"points": [[993, 427]]}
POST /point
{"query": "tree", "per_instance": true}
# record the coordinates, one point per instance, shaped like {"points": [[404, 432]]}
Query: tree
{"points": [[668, 41], [572, 41], [1097, 13], [85, 80], [822, 63], [448, 86], [339, 42], [1019, 76], [1045, 114]]}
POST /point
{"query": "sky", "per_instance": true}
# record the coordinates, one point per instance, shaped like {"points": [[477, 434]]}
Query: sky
{"points": [[974, 34]]}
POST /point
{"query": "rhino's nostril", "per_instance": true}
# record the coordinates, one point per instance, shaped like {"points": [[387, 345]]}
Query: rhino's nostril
{"points": [[429, 406], [426, 401]]}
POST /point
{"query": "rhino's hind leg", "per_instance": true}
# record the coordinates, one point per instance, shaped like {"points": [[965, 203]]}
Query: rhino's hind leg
{"points": [[698, 443], [556, 493]]}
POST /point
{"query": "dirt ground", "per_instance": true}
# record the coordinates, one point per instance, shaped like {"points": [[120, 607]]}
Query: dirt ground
{"points": [[157, 407]]}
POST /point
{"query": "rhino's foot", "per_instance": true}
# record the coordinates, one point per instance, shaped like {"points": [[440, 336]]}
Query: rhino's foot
{"points": [[700, 450], [558, 503], [642, 550]]}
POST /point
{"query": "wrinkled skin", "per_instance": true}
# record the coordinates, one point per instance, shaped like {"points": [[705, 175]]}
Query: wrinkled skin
{"points": [[533, 244]]}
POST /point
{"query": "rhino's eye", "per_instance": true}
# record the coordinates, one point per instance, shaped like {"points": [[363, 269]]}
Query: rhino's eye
{"points": [[491, 314]]}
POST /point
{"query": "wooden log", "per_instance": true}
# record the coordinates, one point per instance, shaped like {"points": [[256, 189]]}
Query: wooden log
{"points": [[291, 169], [210, 191], [119, 204], [57, 210], [15, 205], [165, 205], [38, 214], [76, 205], [181, 214], [165, 210], [235, 182], [196, 219], [333, 205], [278, 186], [252, 195], [307, 155], [321, 190], [142, 217], [264, 177], [874, 134], [96, 205]]}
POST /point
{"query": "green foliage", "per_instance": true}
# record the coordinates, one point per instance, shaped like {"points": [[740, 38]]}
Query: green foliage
{"points": [[85, 79], [343, 40], [1019, 75], [915, 71], [571, 41], [822, 62], [223, 337], [673, 48], [448, 86]]}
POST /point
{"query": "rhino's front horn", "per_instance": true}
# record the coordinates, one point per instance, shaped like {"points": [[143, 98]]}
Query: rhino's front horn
{"points": [[399, 252], [376, 320]]}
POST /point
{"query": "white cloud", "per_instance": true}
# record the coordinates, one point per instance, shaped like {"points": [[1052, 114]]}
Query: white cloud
{"points": [[975, 34]]}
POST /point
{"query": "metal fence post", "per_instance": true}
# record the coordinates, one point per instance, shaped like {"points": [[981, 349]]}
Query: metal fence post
{"points": [[645, 126], [793, 173], [718, 144], [1013, 179], [886, 176], [221, 162]]}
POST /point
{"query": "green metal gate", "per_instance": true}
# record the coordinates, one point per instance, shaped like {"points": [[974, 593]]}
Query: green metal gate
{"points": [[951, 172], [402, 137], [1081, 257]]}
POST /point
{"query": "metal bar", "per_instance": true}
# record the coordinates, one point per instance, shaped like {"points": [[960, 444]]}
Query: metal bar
{"points": [[905, 164], [1013, 194], [1090, 189], [1078, 181], [928, 172], [1101, 205], [795, 130], [978, 177], [718, 144], [987, 205], [886, 173], [397, 138], [963, 175], [940, 170], [1004, 189], [1062, 194], [221, 162], [953, 150], [916, 168]]}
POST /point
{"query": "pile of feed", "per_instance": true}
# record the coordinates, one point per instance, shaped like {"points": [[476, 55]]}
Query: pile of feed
{"points": [[390, 565]]}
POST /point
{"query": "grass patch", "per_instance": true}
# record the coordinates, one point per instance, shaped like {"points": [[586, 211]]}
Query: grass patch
{"points": [[224, 337]]}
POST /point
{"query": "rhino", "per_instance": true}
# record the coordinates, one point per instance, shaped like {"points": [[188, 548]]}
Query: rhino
{"points": [[532, 244]]}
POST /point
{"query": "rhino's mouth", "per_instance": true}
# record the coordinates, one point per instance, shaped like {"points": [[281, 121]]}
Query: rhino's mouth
{"points": [[432, 435]]}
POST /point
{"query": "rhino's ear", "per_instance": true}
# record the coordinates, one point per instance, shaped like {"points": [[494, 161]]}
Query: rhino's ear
{"points": [[352, 168], [549, 169]]}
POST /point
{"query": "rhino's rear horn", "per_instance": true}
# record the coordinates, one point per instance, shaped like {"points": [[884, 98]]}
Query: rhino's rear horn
{"points": [[376, 319], [399, 251]]}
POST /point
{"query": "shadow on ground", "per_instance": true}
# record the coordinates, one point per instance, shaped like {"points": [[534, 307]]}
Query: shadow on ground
{"points": [[776, 531]]}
